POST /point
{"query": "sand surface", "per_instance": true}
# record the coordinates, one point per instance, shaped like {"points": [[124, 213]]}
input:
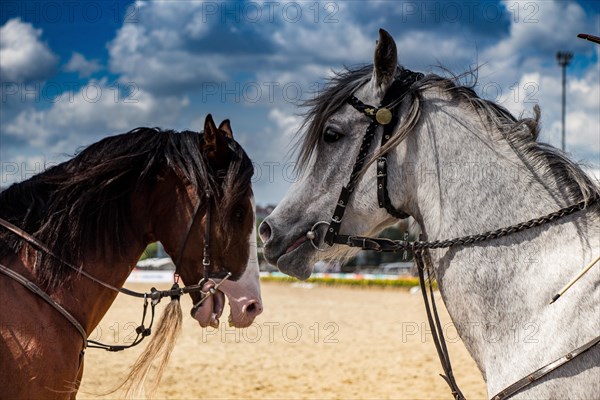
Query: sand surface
{"points": [[311, 342]]}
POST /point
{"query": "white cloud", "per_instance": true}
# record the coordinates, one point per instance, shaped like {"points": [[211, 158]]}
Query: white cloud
{"points": [[23, 56], [583, 118], [541, 26], [91, 113], [84, 67], [22, 167], [332, 43], [537, 31], [173, 48], [155, 52], [287, 124], [523, 67], [452, 52], [30, 125], [151, 59], [545, 89]]}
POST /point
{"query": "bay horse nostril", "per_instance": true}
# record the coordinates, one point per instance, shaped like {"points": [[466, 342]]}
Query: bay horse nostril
{"points": [[253, 309], [265, 232]]}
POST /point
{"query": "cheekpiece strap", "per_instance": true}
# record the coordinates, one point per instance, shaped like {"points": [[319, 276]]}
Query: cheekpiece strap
{"points": [[386, 116]]}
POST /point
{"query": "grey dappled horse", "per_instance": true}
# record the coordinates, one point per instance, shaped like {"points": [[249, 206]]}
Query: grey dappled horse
{"points": [[460, 165]]}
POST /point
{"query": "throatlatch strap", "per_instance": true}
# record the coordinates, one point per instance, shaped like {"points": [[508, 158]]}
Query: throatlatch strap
{"points": [[382, 194], [392, 99]]}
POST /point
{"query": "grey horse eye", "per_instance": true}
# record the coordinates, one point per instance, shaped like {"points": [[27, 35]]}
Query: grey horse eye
{"points": [[331, 135]]}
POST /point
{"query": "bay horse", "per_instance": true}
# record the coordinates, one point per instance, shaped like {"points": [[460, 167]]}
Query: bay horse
{"points": [[96, 213], [459, 165]]}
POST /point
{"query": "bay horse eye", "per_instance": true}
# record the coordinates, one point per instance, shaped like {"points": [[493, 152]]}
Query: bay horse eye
{"points": [[331, 135], [238, 214]]}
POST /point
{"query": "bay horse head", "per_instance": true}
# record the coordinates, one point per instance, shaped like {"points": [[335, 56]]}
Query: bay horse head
{"points": [[209, 233], [76, 231]]}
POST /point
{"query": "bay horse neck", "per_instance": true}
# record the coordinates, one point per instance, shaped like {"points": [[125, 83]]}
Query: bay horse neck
{"points": [[460, 175], [88, 300], [164, 222]]}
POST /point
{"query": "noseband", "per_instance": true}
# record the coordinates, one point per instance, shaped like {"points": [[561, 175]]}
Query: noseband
{"points": [[154, 296], [387, 115]]}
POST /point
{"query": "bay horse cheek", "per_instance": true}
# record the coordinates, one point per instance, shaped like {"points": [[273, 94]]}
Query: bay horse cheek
{"points": [[244, 295]]}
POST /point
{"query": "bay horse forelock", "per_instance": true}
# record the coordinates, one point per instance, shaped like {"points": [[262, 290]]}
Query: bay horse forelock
{"points": [[461, 165]]}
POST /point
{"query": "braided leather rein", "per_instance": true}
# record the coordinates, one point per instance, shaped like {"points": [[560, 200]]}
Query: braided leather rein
{"points": [[422, 259], [389, 245]]}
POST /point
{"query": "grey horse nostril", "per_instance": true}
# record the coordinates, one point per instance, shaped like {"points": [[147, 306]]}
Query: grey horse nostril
{"points": [[264, 230]]}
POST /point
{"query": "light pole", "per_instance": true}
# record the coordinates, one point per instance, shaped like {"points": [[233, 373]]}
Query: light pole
{"points": [[564, 58]]}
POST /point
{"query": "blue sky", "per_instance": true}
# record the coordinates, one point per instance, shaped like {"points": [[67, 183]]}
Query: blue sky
{"points": [[74, 72]]}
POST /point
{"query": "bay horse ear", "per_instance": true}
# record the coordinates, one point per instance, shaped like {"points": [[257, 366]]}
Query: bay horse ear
{"points": [[385, 61], [210, 135], [215, 143], [225, 128]]}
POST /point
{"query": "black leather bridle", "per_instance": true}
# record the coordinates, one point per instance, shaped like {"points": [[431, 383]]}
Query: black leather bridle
{"points": [[154, 296], [387, 115]]}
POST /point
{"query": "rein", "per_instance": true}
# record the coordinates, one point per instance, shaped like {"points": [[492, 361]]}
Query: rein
{"points": [[154, 295], [387, 115]]}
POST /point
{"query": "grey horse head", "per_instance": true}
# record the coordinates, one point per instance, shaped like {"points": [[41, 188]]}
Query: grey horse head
{"points": [[330, 145]]}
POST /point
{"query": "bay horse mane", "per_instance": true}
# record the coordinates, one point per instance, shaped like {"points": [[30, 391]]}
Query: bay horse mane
{"points": [[86, 200], [547, 164]]}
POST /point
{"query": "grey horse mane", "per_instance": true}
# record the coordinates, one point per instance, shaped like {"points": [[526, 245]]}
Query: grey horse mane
{"points": [[546, 163]]}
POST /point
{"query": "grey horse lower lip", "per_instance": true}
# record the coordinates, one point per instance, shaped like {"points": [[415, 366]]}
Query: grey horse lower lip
{"points": [[296, 263]]}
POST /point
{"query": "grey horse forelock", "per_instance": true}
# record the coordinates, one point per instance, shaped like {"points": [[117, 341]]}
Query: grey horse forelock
{"points": [[322, 107], [550, 166]]}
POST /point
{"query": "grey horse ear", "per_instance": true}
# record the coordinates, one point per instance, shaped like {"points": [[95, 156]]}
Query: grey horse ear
{"points": [[385, 60]]}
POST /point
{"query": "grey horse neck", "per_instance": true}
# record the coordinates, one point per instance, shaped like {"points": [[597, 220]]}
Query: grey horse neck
{"points": [[465, 177]]}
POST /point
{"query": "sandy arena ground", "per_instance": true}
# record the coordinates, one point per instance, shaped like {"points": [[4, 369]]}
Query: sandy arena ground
{"points": [[311, 342]]}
